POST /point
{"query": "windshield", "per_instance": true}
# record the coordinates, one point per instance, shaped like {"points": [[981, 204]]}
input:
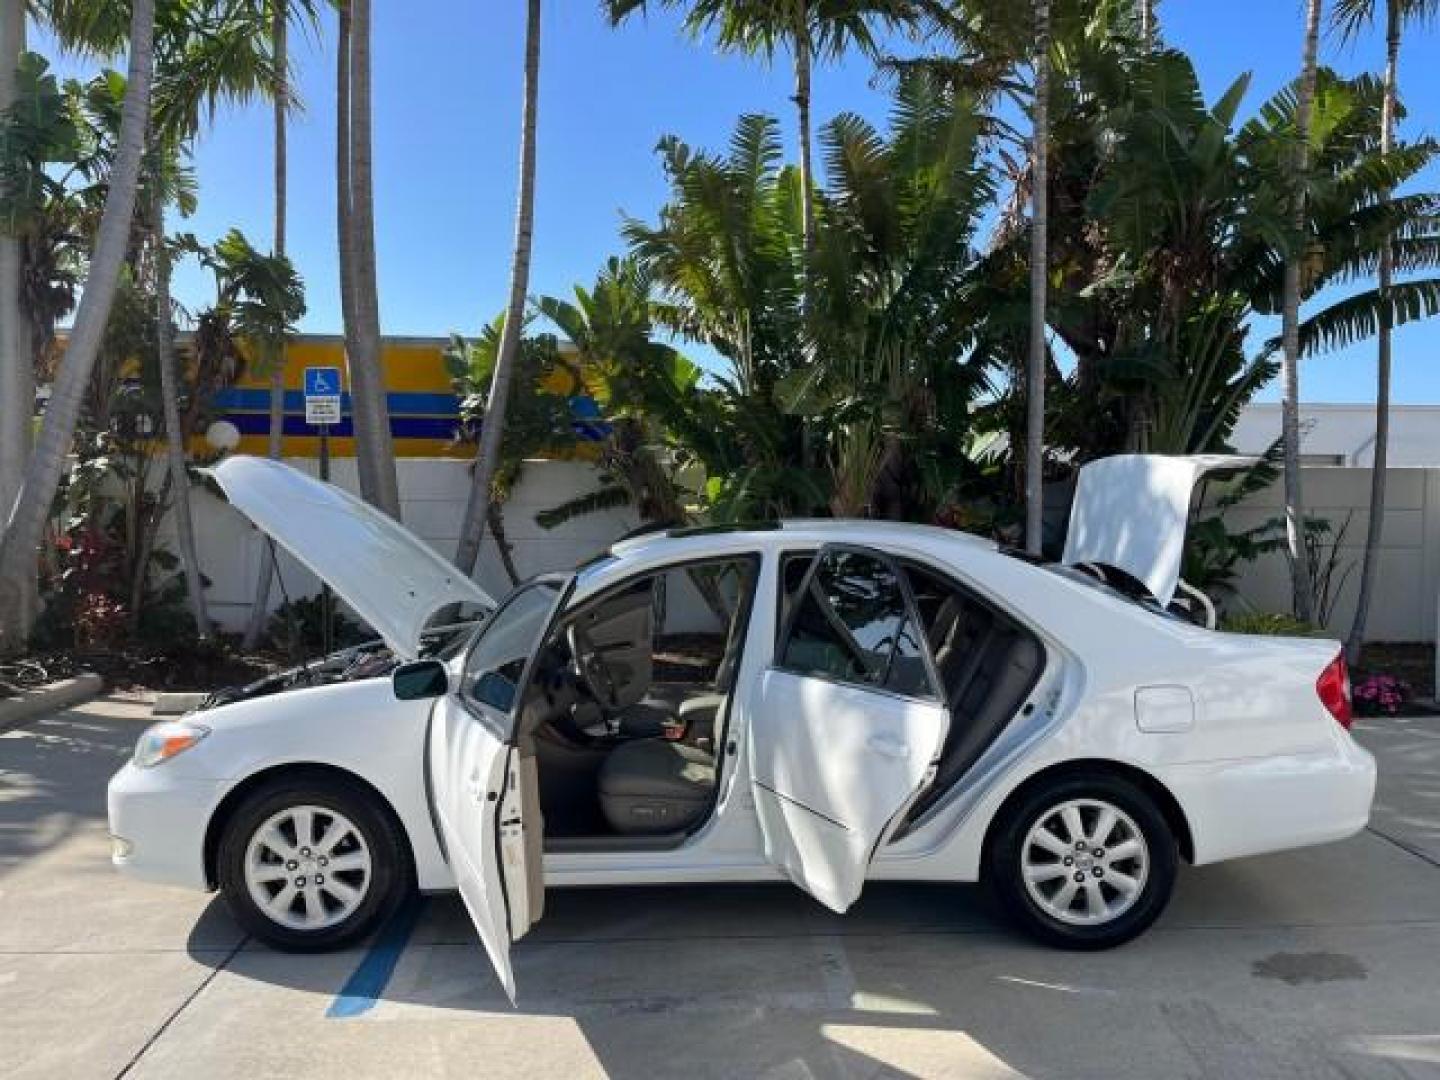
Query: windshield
{"points": [[496, 664]]}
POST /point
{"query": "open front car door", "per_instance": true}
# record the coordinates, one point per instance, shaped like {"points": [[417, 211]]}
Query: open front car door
{"points": [[482, 777], [848, 724]]}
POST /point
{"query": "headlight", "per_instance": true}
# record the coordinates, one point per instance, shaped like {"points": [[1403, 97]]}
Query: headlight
{"points": [[163, 741]]}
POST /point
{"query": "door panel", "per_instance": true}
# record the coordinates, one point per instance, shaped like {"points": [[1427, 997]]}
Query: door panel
{"points": [[470, 763], [833, 766], [483, 783], [847, 726]]}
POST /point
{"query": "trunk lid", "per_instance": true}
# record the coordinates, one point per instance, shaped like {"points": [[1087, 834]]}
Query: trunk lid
{"points": [[1131, 512]]}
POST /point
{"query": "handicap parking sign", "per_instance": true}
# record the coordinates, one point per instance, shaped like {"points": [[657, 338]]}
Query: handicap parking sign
{"points": [[322, 395], [322, 382]]}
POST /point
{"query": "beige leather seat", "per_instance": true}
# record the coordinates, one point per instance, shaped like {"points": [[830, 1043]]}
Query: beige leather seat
{"points": [[655, 786]]}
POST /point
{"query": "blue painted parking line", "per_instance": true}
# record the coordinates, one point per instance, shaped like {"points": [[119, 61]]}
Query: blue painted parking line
{"points": [[368, 981]]}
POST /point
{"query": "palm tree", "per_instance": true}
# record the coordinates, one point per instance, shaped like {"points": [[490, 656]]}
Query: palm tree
{"points": [[374, 447], [1290, 327], [26, 519], [179, 481], [1039, 265], [17, 389], [722, 258], [1351, 16], [205, 54], [897, 364], [810, 31], [487, 459], [281, 101]]}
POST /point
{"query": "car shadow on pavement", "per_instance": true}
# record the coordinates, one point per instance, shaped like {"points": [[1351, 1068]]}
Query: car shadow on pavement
{"points": [[917, 980], [734, 980]]}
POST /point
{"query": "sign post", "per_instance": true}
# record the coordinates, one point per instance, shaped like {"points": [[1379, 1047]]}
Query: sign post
{"points": [[322, 408]]}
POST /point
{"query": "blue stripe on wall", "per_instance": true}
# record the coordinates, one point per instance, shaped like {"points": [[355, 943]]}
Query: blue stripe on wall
{"points": [[243, 399], [402, 427]]}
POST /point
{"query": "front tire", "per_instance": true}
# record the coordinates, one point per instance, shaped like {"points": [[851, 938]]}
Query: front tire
{"points": [[1084, 862], [312, 863]]}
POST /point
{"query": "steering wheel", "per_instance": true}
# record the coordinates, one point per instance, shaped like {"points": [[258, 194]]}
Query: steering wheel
{"points": [[591, 669]]}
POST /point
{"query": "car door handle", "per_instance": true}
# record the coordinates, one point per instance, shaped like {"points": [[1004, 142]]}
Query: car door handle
{"points": [[886, 746]]}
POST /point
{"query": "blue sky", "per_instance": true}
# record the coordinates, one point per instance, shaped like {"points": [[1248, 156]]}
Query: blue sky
{"points": [[447, 80]]}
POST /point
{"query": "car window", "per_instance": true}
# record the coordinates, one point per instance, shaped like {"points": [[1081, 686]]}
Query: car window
{"points": [[496, 663], [852, 623], [794, 565]]}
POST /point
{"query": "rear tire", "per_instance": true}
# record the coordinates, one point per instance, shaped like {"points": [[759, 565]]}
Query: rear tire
{"points": [[315, 892], [1083, 862]]}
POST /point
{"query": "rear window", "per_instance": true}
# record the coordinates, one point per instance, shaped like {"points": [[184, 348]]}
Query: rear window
{"points": [[1118, 585]]}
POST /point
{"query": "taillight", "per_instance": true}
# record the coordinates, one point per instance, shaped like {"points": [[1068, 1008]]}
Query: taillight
{"points": [[1333, 686]]}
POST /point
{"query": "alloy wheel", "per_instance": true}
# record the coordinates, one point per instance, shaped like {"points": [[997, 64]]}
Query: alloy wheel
{"points": [[308, 867], [1085, 862]]}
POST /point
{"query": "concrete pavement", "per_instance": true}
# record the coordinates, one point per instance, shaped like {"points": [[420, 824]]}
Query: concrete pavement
{"points": [[1322, 963]]}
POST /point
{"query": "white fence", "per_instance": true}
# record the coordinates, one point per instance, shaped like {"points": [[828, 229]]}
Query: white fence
{"points": [[1408, 574], [433, 496]]}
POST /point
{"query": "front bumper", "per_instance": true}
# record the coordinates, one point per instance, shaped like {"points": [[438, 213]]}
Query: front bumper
{"points": [[158, 824]]}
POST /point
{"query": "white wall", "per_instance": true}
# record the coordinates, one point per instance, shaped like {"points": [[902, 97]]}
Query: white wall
{"points": [[1408, 574], [432, 496], [1346, 433]]}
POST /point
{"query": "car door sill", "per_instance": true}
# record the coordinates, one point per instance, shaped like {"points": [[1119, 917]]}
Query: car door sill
{"points": [[564, 845]]}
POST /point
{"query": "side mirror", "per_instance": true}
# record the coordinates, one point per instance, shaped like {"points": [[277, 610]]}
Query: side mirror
{"points": [[420, 679]]}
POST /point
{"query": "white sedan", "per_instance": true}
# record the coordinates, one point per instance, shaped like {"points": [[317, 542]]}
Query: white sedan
{"points": [[828, 702]]}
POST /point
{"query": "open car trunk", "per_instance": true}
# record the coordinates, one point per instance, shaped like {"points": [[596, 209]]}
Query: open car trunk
{"points": [[1131, 512]]}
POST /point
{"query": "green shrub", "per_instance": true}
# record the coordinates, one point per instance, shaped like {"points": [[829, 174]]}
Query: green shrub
{"points": [[296, 627], [1276, 623]]}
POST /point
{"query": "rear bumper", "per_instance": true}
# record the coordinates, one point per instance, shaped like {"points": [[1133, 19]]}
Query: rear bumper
{"points": [[158, 824], [1249, 807]]}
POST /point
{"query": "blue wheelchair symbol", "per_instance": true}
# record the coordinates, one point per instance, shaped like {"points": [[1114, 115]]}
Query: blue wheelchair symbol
{"points": [[322, 382]]}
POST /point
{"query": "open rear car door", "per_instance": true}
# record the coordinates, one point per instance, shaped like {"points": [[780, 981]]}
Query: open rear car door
{"points": [[482, 777], [847, 725]]}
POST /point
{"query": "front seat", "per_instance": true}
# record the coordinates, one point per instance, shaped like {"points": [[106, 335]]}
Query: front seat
{"points": [[655, 786]]}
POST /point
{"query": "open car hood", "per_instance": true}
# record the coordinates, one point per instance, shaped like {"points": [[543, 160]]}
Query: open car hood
{"points": [[1131, 512], [393, 579]]}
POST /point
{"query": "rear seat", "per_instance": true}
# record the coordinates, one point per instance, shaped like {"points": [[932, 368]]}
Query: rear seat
{"points": [[987, 664]]}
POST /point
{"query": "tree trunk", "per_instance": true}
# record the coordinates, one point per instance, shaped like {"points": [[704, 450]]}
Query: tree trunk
{"points": [[1381, 457], [279, 34], [495, 515], [1039, 260], [374, 448], [143, 528], [1147, 24], [174, 432], [492, 430], [802, 109], [17, 370], [344, 229], [1290, 330], [26, 523]]}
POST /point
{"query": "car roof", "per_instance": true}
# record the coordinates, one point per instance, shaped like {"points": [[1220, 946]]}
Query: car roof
{"points": [[785, 533], [1063, 609], [681, 545]]}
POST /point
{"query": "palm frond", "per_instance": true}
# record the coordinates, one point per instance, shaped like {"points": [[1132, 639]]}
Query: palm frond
{"points": [[607, 497], [1357, 318]]}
